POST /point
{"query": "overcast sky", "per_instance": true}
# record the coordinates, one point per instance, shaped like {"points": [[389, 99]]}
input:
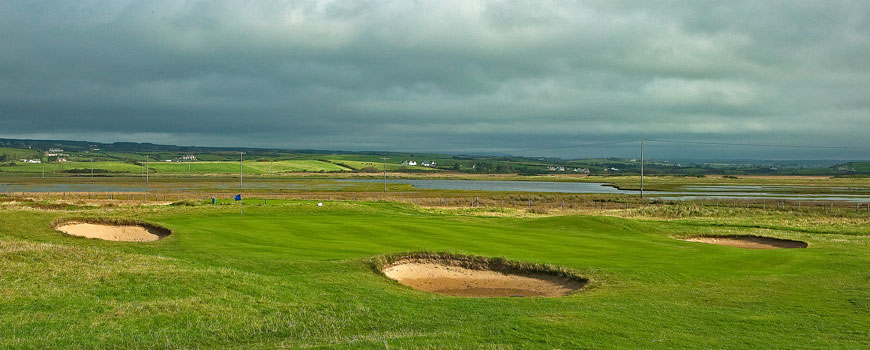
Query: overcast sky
{"points": [[521, 77]]}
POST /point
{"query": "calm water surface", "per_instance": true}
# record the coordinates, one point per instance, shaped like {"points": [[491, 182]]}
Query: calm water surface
{"points": [[515, 186], [699, 192]]}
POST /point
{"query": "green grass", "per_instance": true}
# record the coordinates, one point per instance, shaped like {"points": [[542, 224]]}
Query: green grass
{"points": [[859, 167], [179, 168], [301, 165], [14, 154], [358, 165], [84, 167], [121, 156], [294, 275], [200, 168], [252, 168]]}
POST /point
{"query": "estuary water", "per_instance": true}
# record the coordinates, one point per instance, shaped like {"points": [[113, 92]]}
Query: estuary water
{"points": [[515, 186], [708, 192], [699, 192]]}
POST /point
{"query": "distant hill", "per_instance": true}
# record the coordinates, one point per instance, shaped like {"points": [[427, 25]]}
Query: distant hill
{"points": [[14, 150]]}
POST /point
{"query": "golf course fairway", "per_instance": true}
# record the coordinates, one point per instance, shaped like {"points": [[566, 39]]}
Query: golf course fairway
{"points": [[291, 274]]}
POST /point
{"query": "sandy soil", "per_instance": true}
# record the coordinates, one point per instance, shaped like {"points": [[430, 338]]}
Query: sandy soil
{"points": [[125, 233], [460, 281], [750, 242]]}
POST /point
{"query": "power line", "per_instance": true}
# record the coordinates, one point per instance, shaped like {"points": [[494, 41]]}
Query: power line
{"points": [[757, 144]]}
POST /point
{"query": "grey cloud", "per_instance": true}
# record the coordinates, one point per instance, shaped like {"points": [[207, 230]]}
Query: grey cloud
{"points": [[442, 75]]}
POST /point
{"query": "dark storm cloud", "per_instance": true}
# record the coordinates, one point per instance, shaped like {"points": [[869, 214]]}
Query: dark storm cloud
{"points": [[525, 77]]}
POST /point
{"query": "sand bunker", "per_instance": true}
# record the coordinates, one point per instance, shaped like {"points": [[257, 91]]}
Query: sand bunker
{"points": [[438, 277], [750, 242], [114, 232]]}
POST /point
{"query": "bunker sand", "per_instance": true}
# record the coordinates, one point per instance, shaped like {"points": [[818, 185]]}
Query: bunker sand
{"points": [[464, 282], [750, 242], [113, 232]]}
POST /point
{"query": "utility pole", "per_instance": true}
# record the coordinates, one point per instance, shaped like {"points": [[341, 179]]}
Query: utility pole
{"points": [[146, 171], [641, 167], [241, 160], [385, 173], [92, 168], [188, 169]]}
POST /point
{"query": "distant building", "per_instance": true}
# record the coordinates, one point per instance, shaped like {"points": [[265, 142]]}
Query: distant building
{"points": [[429, 164], [581, 170], [409, 162], [188, 157], [31, 161], [56, 155]]}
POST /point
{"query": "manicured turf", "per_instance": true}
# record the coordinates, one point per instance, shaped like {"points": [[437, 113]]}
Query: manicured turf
{"points": [[294, 275]]}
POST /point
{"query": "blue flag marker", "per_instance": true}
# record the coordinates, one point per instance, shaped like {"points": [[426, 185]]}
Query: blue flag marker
{"points": [[238, 198]]}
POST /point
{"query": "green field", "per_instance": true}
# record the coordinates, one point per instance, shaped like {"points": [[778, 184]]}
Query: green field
{"points": [[177, 168], [252, 168], [293, 275], [67, 167], [376, 166], [300, 165], [860, 167], [14, 154]]}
